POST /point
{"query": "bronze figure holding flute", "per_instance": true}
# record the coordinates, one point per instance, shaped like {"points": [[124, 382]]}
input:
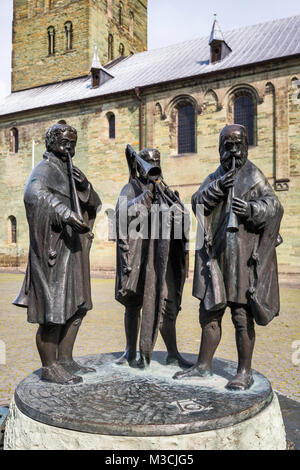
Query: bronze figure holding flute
{"points": [[61, 207], [236, 267]]}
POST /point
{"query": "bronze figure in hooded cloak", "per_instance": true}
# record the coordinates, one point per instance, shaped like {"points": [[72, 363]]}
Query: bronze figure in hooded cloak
{"points": [[151, 267], [236, 264], [56, 290]]}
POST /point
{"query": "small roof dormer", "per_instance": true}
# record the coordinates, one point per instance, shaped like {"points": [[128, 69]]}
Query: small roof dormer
{"points": [[99, 74], [219, 49]]}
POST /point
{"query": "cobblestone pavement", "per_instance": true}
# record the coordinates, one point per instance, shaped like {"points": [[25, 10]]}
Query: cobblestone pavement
{"points": [[276, 354]]}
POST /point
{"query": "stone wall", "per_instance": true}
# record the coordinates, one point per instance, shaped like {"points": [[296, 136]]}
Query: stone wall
{"points": [[103, 159], [31, 62]]}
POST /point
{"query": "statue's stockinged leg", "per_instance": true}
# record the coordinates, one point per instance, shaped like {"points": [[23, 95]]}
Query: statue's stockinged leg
{"points": [[132, 326], [47, 340], [210, 339], [245, 339], [66, 344]]}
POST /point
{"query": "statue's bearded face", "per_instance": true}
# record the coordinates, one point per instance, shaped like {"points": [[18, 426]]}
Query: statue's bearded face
{"points": [[233, 144], [65, 144]]}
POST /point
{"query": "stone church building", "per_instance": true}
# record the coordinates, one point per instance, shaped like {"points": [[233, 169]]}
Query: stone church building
{"points": [[86, 62]]}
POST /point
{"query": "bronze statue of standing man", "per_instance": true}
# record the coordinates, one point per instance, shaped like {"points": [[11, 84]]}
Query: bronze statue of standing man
{"points": [[61, 207], [236, 267]]}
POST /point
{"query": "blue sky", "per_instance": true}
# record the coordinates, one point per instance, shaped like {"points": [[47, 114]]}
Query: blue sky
{"points": [[171, 21]]}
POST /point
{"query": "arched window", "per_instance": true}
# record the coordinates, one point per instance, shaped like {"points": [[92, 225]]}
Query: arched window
{"points": [[186, 128], [111, 125], [14, 140], [131, 23], [110, 47], [69, 35], [244, 114], [121, 49], [12, 229], [120, 13], [51, 40]]}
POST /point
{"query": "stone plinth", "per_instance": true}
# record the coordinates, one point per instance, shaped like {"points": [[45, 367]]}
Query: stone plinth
{"points": [[123, 408]]}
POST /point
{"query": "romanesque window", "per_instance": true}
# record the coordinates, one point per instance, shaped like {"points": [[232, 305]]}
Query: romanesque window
{"points": [[120, 13], [186, 128], [110, 47], [121, 49], [51, 40], [14, 140], [111, 125], [244, 114], [131, 23], [69, 35], [12, 229]]}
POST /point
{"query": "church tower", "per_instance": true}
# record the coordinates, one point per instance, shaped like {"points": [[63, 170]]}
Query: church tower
{"points": [[54, 40]]}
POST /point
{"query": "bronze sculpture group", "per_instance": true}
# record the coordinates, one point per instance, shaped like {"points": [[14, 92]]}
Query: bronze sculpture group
{"points": [[235, 266]]}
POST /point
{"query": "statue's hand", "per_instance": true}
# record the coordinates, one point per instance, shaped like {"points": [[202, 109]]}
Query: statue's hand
{"points": [[80, 179], [227, 181], [240, 207], [77, 223]]}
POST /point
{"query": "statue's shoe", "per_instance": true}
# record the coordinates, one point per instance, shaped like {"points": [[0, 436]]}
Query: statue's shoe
{"points": [[240, 382], [195, 371], [57, 374]]}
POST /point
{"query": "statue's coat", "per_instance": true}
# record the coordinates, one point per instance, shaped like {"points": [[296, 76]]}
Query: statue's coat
{"points": [[255, 241], [54, 288]]}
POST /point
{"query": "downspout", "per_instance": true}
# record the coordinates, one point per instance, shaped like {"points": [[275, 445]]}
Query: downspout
{"points": [[141, 123]]}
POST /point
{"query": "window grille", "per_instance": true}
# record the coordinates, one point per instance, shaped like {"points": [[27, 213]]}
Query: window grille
{"points": [[186, 129], [244, 115]]}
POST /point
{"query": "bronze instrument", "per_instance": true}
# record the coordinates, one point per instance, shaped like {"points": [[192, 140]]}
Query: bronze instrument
{"points": [[232, 225]]}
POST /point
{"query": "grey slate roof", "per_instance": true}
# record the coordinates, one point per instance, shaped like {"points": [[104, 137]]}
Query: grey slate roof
{"points": [[252, 44]]}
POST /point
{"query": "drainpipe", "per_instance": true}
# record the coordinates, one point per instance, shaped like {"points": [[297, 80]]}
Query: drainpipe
{"points": [[138, 95]]}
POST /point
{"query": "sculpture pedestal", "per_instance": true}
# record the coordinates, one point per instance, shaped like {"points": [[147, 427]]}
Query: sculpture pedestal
{"points": [[120, 408]]}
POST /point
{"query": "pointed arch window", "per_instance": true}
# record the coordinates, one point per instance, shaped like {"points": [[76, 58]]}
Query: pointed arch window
{"points": [[186, 128], [51, 40], [12, 229], [110, 47], [14, 140], [69, 35], [244, 114], [111, 125]]}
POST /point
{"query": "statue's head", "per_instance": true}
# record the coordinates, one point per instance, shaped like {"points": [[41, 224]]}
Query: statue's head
{"points": [[151, 156], [61, 140], [233, 143]]}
